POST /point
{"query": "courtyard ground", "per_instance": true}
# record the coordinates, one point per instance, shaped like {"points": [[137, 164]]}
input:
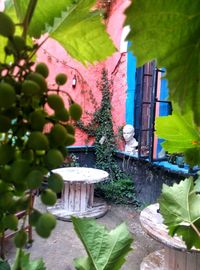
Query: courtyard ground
{"points": [[63, 246]]}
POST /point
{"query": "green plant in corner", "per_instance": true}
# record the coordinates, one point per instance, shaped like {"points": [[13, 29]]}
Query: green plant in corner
{"points": [[120, 187], [105, 145], [170, 35]]}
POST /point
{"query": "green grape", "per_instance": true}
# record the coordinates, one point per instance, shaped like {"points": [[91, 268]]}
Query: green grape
{"points": [[58, 135], [3, 187], [10, 222], [17, 43], [10, 80], [70, 129], [41, 231], [7, 95], [7, 27], [38, 120], [30, 88], [75, 111], [61, 79], [54, 158], [6, 153], [55, 102], [5, 123], [38, 141], [6, 200], [55, 182], [28, 155], [42, 69], [69, 140], [62, 115], [40, 152], [47, 221], [44, 170], [39, 79], [20, 187], [48, 197], [20, 239], [45, 225], [12, 112], [5, 172], [63, 150], [34, 179], [22, 202], [19, 170], [34, 217]]}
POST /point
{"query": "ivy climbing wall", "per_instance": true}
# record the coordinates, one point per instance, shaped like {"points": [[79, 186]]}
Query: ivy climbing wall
{"points": [[85, 91]]}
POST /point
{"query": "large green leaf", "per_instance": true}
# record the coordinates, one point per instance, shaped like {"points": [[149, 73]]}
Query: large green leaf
{"points": [[181, 135], [45, 13], [169, 32], [78, 29], [106, 250], [182, 213]]}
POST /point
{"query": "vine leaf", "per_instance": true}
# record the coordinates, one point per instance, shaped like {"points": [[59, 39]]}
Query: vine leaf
{"points": [[169, 32], [4, 265], [23, 259], [106, 250], [44, 15], [73, 24], [182, 213], [181, 135]]}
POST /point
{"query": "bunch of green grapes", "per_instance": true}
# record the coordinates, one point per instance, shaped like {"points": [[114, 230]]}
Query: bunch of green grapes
{"points": [[27, 152]]}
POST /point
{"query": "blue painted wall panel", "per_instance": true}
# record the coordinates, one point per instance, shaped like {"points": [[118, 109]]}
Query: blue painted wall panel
{"points": [[164, 108], [131, 70]]}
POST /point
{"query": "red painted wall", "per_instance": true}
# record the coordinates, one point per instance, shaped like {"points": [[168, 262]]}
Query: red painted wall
{"points": [[59, 61]]}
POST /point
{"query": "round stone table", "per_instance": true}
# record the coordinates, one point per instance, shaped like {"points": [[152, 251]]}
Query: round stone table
{"points": [[77, 197], [175, 255]]}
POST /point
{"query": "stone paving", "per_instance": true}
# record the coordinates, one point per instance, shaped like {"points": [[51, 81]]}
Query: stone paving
{"points": [[63, 246]]}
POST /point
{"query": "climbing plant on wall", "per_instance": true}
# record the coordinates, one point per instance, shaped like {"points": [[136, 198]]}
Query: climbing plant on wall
{"points": [[120, 187], [104, 138]]}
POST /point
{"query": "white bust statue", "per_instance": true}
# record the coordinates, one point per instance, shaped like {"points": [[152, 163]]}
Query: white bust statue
{"points": [[131, 143]]}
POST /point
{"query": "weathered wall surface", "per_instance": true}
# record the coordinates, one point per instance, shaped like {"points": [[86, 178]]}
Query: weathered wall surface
{"points": [[86, 92]]}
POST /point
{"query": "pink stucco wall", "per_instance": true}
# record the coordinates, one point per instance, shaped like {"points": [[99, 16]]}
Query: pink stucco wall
{"points": [[59, 61]]}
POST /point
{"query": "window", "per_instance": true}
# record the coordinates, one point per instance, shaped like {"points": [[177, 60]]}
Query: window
{"points": [[148, 104]]}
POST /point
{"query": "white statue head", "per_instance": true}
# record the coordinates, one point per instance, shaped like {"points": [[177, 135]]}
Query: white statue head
{"points": [[128, 132]]}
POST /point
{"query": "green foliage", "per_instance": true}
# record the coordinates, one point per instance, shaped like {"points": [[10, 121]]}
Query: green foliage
{"points": [[119, 188], [119, 191], [105, 250], [168, 31], [23, 259], [182, 213], [104, 136], [181, 135], [73, 24], [4, 265]]}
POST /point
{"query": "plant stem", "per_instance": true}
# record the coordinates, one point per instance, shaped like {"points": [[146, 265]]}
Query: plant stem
{"points": [[195, 229], [34, 52], [28, 16]]}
